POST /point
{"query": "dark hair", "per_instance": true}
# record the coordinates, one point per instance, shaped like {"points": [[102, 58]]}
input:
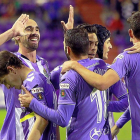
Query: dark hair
{"points": [[89, 28], [8, 59], [134, 22], [102, 34], [77, 40]]}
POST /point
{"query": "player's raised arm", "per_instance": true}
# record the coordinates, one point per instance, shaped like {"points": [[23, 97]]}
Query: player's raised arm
{"points": [[70, 23], [16, 30]]}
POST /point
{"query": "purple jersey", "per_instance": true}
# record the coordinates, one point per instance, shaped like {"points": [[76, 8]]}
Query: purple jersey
{"points": [[89, 118], [11, 127], [127, 66], [120, 92]]}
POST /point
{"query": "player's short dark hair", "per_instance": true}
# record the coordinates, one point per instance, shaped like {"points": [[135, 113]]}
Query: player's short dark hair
{"points": [[8, 59], [77, 40], [134, 21], [89, 28]]}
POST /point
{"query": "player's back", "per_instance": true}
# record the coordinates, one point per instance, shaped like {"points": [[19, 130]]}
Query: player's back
{"points": [[89, 119]]}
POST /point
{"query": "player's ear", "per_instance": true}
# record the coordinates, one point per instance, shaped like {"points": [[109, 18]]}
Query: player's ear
{"points": [[16, 39], [68, 50], [11, 69], [130, 32]]}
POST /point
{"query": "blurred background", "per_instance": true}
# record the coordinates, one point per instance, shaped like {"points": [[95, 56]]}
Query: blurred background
{"points": [[49, 13]]}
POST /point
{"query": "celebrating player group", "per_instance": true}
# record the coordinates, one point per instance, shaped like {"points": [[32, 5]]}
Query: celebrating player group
{"points": [[86, 84]]}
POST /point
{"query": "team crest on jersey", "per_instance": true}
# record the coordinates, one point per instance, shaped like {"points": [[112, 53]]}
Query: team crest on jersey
{"points": [[64, 86], [40, 96], [95, 134], [45, 73], [63, 93]]}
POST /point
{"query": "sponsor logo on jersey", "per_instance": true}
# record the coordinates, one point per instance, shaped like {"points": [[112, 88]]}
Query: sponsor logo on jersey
{"points": [[37, 90], [63, 93], [40, 96], [64, 86], [95, 134], [93, 65]]}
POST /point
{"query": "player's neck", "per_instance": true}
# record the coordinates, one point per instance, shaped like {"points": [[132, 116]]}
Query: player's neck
{"points": [[77, 58], [24, 71], [31, 55]]}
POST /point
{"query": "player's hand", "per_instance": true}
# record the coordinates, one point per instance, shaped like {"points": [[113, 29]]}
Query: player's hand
{"points": [[26, 98], [19, 25], [134, 49], [70, 23], [114, 131], [68, 65]]}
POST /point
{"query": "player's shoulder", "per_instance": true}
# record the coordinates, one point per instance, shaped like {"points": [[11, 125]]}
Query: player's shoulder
{"points": [[98, 60], [70, 75], [127, 57], [34, 78], [57, 69], [96, 63]]}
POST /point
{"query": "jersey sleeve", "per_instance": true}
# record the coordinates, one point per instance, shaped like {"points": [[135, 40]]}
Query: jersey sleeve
{"points": [[67, 89], [120, 105], [118, 89], [120, 92], [121, 64], [55, 76], [123, 119], [35, 86]]}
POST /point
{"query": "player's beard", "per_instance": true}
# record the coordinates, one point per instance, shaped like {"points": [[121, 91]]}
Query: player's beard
{"points": [[29, 45]]}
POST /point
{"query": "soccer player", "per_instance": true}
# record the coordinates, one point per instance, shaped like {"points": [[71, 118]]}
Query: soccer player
{"points": [[84, 106], [118, 89], [26, 33], [13, 74], [125, 65]]}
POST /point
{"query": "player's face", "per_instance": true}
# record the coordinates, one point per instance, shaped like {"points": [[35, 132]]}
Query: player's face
{"points": [[32, 37], [93, 41], [11, 80], [106, 48]]}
